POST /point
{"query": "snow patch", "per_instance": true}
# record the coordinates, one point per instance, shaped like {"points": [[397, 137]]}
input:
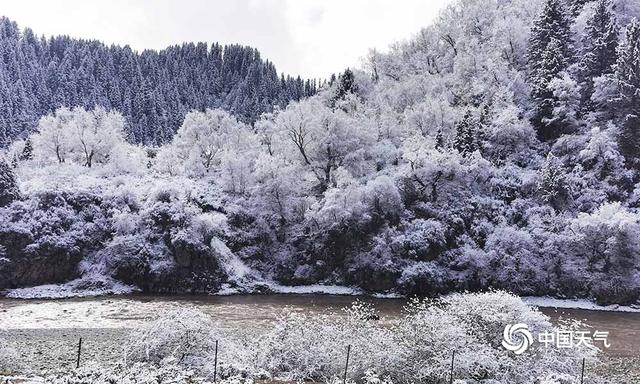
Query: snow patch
{"points": [[316, 289], [388, 295], [82, 287], [550, 302], [235, 268]]}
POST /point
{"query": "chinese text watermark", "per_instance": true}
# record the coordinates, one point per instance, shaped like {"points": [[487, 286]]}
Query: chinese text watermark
{"points": [[517, 338]]}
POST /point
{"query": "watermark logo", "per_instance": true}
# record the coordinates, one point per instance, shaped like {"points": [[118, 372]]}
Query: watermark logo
{"points": [[517, 338]]}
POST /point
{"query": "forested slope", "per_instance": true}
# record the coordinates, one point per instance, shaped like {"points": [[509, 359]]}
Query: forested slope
{"points": [[496, 149], [152, 89]]}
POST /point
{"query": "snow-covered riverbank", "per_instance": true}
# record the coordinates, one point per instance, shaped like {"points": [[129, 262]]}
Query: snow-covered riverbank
{"points": [[46, 332], [550, 302], [111, 287]]}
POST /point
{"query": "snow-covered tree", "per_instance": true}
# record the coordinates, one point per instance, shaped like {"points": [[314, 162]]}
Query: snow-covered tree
{"points": [[152, 89], [468, 135], [628, 71], [553, 183], [53, 139], [607, 239], [346, 84], [95, 134], [549, 54], [566, 103], [9, 190], [600, 44], [321, 140], [576, 6], [86, 137], [204, 139], [27, 150], [628, 100]]}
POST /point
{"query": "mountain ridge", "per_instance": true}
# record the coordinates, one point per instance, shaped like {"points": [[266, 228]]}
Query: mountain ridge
{"points": [[153, 89]]}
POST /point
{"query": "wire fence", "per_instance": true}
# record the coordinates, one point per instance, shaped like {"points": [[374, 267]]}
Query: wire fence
{"points": [[345, 375]]}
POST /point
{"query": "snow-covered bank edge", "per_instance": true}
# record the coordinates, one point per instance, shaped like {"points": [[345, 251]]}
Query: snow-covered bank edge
{"points": [[72, 289], [274, 288], [550, 302], [21, 379], [316, 289]]}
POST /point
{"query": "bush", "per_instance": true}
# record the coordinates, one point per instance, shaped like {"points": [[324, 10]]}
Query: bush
{"points": [[615, 290], [186, 337], [301, 347], [414, 348], [423, 279]]}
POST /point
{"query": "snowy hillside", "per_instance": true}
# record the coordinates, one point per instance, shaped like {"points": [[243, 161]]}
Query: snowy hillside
{"points": [[499, 148]]}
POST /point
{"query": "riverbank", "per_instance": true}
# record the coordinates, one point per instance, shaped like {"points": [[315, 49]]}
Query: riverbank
{"points": [[54, 350], [45, 333]]}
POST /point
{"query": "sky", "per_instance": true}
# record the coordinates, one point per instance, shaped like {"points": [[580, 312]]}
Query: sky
{"points": [[311, 38]]}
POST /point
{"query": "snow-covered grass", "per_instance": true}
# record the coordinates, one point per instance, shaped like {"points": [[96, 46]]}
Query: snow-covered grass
{"points": [[134, 374]]}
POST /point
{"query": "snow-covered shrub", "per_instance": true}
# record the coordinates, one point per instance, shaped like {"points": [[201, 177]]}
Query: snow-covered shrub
{"points": [[608, 239], [419, 345], [472, 325], [182, 336], [423, 278], [48, 234], [304, 347], [168, 247], [424, 238], [616, 290], [416, 347], [514, 262]]}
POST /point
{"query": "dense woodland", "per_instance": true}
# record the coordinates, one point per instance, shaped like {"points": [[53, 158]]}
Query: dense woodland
{"points": [[153, 90], [500, 147]]}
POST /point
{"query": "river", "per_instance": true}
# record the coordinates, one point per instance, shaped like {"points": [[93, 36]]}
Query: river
{"points": [[45, 332]]}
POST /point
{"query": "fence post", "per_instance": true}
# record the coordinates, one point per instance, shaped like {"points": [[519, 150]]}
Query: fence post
{"points": [[346, 365], [215, 363], [79, 351], [582, 374], [453, 359]]}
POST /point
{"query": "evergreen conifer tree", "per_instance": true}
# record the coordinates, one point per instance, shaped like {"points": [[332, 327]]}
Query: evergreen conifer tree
{"points": [[549, 54], [600, 45], [628, 100], [8, 184], [27, 151]]}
